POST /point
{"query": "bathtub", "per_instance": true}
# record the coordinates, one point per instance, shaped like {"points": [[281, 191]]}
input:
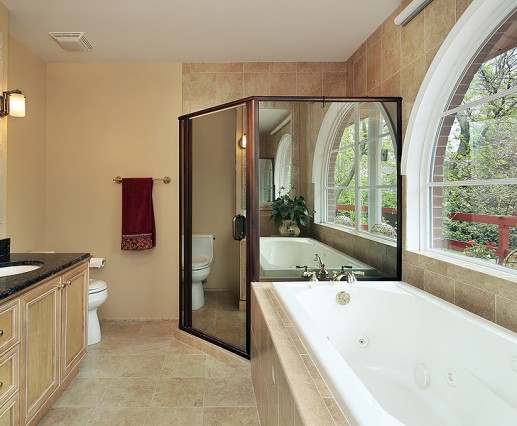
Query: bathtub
{"points": [[395, 355], [280, 256]]}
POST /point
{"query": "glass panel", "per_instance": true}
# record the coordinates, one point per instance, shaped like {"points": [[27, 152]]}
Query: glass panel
{"points": [[217, 166], [481, 143], [494, 76], [388, 162], [476, 221], [345, 208], [340, 150]]}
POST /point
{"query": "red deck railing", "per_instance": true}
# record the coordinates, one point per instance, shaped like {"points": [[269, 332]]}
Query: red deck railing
{"points": [[503, 222]]}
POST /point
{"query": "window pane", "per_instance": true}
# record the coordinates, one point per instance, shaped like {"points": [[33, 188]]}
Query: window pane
{"points": [[467, 219], [363, 208], [344, 170], [363, 165], [494, 76], [345, 208], [482, 143], [388, 162]]}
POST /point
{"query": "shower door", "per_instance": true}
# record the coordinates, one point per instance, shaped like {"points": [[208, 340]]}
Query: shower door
{"points": [[214, 203]]}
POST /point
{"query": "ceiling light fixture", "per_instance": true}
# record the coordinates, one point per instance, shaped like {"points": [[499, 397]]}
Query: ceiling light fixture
{"points": [[12, 103]]}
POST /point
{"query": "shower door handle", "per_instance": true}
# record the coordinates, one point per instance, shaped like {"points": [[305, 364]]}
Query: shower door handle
{"points": [[239, 227]]}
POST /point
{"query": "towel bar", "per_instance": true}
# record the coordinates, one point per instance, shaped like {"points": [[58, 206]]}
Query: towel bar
{"points": [[165, 179]]}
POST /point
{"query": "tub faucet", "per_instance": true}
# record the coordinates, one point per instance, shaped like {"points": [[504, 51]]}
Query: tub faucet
{"points": [[350, 276], [342, 274], [322, 272]]}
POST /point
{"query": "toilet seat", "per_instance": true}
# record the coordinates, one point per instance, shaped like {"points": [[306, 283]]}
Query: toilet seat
{"points": [[199, 262], [96, 286]]}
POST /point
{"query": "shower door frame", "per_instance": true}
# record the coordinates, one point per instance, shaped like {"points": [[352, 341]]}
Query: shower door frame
{"points": [[185, 222]]}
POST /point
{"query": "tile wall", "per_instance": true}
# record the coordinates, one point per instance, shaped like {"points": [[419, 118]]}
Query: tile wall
{"points": [[209, 84], [391, 62], [288, 388]]}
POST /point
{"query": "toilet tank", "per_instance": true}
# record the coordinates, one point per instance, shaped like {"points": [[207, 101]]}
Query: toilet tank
{"points": [[203, 245]]}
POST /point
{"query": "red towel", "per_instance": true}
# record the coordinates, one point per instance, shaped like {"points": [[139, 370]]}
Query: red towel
{"points": [[138, 229]]}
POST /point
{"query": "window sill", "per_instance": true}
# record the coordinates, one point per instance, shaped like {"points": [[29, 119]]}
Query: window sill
{"points": [[365, 235]]}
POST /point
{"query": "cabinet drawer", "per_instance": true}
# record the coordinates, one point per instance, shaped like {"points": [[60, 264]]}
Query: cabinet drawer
{"points": [[9, 325], [9, 374]]}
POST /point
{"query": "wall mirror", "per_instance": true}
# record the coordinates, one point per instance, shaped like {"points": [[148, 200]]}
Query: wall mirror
{"points": [[341, 155]]}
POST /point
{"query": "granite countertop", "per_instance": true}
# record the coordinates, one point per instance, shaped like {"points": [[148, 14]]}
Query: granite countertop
{"points": [[53, 263]]}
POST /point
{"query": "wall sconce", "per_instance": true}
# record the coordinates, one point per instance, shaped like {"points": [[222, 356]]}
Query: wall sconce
{"points": [[242, 142], [12, 103]]}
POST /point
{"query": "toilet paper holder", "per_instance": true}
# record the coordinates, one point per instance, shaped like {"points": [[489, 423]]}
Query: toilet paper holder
{"points": [[97, 262]]}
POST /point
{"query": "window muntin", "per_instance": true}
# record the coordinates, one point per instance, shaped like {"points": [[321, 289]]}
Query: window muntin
{"points": [[362, 172], [473, 187]]}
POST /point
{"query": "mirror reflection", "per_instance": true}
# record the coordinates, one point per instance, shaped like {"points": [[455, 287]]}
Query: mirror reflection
{"points": [[218, 266], [336, 189]]}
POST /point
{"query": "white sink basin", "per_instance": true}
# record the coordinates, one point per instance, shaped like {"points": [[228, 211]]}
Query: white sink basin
{"points": [[7, 271]]}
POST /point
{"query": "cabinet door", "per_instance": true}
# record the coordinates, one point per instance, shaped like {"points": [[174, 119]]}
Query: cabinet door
{"points": [[73, 318], [41, 310], [9, 413]]}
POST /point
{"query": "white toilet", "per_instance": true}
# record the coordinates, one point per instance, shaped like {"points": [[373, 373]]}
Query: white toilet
{"points": [[97, 295], [202, 259]]}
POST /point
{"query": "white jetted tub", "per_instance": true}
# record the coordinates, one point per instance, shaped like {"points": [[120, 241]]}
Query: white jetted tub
{"points": [[286, 256], [395, 355]]}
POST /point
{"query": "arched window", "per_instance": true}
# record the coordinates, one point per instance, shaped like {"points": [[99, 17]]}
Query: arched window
{"points": [[355, 169], [470, 192]]}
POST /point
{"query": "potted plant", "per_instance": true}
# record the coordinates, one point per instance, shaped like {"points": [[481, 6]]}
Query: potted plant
{"points": [[289, 213]]}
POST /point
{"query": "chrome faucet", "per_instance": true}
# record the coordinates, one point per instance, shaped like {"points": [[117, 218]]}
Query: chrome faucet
{"points": [[322, 272], [349, 276]]}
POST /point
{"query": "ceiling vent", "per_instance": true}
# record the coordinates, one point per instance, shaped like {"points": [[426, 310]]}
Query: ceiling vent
{"points": [[72, 41]]}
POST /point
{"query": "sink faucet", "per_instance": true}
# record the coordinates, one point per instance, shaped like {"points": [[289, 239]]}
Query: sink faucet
{"points": [[322, 272]]}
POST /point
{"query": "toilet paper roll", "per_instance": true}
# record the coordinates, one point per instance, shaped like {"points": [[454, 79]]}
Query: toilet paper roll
{"points": [[97, 262]]}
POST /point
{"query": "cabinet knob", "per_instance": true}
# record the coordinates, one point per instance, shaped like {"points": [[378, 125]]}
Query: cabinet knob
{"points": [[68, 282], [1, 332], [1, 384]]}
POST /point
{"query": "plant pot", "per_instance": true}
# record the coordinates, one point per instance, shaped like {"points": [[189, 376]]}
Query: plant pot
{"points": [[289, 228]]}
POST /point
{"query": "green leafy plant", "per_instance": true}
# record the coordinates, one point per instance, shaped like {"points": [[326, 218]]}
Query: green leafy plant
{"points": [[481, 251], [287, 208]]}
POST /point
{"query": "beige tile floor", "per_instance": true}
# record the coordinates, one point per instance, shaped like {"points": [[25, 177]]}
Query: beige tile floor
{"points": [[220, 317], [140, 374]]}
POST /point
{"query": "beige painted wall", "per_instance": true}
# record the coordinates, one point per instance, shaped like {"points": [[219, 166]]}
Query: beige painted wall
{"points": [[106, 120], [213, 193], [4, 51], [26, 143]]}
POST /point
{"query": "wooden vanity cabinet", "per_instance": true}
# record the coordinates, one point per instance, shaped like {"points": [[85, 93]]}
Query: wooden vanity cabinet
{"points": [[74, 317], [9, 362], [53, 339]]}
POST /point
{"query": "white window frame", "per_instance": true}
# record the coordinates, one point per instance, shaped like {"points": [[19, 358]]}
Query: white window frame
{"points": [[465, 39]]}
